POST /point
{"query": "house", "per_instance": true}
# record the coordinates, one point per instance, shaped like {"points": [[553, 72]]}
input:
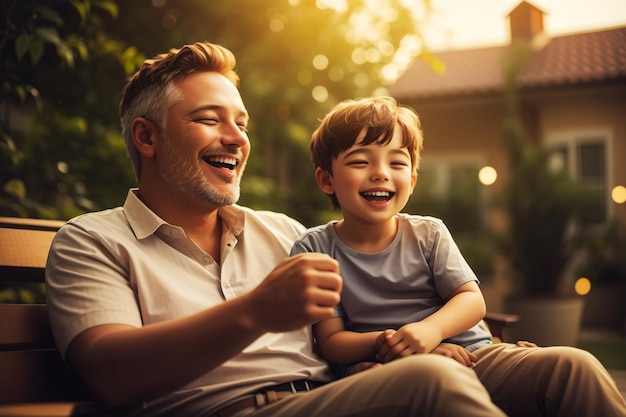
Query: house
{"points": [[573, 97]]}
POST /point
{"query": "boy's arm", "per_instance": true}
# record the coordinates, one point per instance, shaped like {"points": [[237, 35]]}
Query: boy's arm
{"points": [[338, 345], [464, 308]]}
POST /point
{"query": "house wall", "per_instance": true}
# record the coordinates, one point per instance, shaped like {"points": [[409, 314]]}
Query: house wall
{"points": [[456, 128]]}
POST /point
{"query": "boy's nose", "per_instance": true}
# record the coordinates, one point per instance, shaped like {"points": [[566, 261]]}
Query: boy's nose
{"points": [[379, 175]]}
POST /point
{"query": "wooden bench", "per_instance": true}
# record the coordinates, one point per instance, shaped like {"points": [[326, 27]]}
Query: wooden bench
{"points": [[34, 380]]}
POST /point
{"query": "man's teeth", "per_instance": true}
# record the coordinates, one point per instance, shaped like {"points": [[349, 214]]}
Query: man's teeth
{"points": [[221, 161]]}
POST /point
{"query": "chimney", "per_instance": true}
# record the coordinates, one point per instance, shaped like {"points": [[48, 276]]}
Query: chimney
{"points": [[526, 22]]}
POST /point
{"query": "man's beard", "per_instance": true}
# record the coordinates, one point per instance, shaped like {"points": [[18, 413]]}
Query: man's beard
{"points": [[188, 177]]}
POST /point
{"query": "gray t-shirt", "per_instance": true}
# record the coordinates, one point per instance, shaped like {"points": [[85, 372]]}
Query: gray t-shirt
{"points": [[404, 283]]}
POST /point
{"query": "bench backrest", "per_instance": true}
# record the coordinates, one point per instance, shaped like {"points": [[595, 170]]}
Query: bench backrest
{"points": [[31, 368]]}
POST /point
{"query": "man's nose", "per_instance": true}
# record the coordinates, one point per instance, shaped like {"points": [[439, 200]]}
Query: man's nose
{"points": [[232, 134]]}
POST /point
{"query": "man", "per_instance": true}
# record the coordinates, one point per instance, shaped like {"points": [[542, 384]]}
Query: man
{"points": [[183, 303]]}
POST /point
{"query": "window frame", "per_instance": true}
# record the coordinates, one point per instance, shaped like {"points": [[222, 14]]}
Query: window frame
{"points": [[571, 139]]}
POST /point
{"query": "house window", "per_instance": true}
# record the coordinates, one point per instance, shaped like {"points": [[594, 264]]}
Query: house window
{"points": [[585, 155]]}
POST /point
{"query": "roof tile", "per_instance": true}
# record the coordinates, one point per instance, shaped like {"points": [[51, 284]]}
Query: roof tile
{"points": [[570, 59]]}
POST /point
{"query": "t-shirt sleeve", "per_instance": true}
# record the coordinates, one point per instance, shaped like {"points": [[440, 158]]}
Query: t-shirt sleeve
{"points": [[449, 267], [86, 286]]}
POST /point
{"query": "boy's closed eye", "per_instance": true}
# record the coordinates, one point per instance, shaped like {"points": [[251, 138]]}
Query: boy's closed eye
{"points": [[357, 162]]}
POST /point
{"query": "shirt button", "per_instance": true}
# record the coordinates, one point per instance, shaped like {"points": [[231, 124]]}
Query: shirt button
{"points": [[174, 232], [206, 260]]}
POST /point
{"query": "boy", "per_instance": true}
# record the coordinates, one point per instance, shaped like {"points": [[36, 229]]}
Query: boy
{"points": [[406, 287]]}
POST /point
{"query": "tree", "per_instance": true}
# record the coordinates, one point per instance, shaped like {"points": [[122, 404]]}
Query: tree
{"points": [[58, 134], [296, 59]]}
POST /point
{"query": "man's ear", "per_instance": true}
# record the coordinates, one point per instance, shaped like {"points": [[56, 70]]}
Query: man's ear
{"points": [[324, 180], [143, 132]]}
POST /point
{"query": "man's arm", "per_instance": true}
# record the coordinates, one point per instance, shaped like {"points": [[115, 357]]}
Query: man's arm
{"points": [[123, 364]]}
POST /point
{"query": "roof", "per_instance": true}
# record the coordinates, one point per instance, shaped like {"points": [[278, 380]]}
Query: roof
{"points": [[598, 56]]}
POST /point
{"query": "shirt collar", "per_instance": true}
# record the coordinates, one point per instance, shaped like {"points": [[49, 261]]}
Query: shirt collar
{"points": [[144, 222]]}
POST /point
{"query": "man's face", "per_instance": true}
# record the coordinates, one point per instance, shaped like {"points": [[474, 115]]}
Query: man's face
{"points": [[206, 147]]}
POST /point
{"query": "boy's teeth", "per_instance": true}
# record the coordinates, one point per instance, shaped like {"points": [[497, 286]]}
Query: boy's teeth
{"points": [[377, 193]]}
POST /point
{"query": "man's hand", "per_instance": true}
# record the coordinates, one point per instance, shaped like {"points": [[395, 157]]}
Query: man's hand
{"points": [[301, 290], [525, 343]]}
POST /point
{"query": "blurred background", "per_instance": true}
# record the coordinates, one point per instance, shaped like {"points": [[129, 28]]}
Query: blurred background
{"points": [[522, 105]]}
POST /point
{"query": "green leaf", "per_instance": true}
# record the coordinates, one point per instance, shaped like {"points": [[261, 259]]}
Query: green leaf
{"points": [[108, 6], [66, 54], [22, 43], [83, 52], [81, 8], [48, 34], [49, 14], [16, 188], [36, 50]]}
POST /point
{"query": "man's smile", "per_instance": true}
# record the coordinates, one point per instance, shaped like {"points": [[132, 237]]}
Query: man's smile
{"points": [[221, 162]]}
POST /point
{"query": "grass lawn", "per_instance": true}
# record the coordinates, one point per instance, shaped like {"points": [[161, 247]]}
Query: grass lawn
{"points": [[610, 351]]}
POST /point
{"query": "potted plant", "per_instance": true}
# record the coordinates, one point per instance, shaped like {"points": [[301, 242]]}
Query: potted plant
{"points": [[604, 264], [543, 237], [542, 206]]}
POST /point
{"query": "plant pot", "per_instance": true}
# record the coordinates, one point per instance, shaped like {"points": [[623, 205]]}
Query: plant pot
{"points": [[545, 321], [604, 306]]}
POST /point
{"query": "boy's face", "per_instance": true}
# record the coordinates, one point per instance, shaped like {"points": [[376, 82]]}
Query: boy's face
{"points": [[372, 183]]}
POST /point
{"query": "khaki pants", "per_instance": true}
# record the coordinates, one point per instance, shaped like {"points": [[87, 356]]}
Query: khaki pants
{"points": [[555, 381]]}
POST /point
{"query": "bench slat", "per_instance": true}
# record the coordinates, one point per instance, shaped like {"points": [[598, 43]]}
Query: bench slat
{"points": [[25, 326], [38, 376]]}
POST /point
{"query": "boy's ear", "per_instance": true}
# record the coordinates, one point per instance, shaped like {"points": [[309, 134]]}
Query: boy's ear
{"points": [[413, 181], [143, 132], [324, 180]]}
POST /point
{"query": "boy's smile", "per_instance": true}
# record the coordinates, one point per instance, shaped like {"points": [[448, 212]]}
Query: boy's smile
{"points": [[382, 195]]}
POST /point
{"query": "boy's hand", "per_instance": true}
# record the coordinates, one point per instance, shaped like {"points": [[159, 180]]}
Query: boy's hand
{"points": [[412, 338], [456, 352], [382, 339]]}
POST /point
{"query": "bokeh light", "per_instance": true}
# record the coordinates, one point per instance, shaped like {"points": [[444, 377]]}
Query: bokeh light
{"points": [[487, 175], [618, 194], [320, 93], [320, 62], [335, 74], [582, 286], [276, 25], [304, 77], [63, 167]]}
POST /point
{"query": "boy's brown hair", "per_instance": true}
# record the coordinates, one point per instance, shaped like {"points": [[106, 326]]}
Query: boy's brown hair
{"points": [[340, 128]]}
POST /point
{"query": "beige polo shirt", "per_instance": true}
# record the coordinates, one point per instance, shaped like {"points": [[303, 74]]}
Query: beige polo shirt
{"points": [[128, 266]]}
